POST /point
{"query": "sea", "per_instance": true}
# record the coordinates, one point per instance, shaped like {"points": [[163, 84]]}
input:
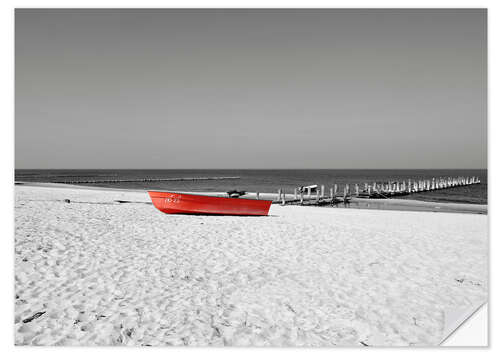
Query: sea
{"points": [[261, 180]]}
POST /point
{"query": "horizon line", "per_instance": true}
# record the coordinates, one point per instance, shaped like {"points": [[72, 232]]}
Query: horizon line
{"points": [[417, 168]]}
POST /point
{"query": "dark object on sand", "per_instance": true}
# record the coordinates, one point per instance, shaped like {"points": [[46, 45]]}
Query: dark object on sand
{"points": [[35, 316], [123, 201], [67, 200], [235, 193]]}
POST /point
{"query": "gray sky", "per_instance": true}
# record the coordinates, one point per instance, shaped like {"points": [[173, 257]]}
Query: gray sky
{"points": [[251, 89]]}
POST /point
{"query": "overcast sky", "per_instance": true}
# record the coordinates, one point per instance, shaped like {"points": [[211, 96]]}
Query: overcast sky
{"points": [[251, 89]]}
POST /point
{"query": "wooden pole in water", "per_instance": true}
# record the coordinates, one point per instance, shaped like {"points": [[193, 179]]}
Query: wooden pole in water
{"points": [[322, 191], [309, 192], [356, 188], [284, 197], [331, 192], [335, 188], [279, 195], [317, 195], [295, 194]]}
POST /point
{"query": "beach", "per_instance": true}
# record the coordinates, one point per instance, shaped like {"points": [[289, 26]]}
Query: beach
{"points": [[93, 271]]}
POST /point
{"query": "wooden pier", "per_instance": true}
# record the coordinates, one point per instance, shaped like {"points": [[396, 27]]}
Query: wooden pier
{"points": [[374, 190]]}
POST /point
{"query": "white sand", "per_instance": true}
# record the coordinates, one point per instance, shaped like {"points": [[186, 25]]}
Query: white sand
{"points": [[104, 273]]}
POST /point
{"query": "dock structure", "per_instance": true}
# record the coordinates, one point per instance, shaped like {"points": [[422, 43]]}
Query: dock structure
{"points": [[375, 190]]}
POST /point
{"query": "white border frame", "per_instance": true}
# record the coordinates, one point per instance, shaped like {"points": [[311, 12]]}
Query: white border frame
{"points": [[7, 167]]}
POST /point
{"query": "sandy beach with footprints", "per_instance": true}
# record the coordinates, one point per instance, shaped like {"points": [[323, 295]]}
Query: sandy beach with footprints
{"points": [[93, 271]]}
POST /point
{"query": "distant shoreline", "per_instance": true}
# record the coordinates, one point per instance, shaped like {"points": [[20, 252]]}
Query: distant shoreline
{"points": [[355, 203], [268, 181]]}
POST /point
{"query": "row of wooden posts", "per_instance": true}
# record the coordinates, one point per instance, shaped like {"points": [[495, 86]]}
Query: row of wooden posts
{"points": [[151, 179], [375, 190]]}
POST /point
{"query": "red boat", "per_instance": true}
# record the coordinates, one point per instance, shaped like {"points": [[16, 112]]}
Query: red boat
{"points": [[183, 203]]}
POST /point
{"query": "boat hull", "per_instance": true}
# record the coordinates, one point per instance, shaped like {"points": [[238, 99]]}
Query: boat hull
{"points": [[182, 203]]}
